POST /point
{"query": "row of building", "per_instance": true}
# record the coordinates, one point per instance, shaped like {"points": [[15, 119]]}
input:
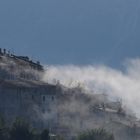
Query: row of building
{"points": [[13, 67], [24, 59]]}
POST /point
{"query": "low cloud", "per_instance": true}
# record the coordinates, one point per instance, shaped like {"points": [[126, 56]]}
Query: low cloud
{"points": [[117, 84]]}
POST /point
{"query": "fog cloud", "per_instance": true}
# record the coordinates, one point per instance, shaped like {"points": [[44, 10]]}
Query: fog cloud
{"points": [[118, 84]]}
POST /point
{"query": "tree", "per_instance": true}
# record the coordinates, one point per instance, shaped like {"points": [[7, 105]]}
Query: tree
{"points": [[3, 130], [1, 134], [97, 134], [45, 135], [20, 131]]}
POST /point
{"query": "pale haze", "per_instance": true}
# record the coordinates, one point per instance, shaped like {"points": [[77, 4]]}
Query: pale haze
{"points": [[118, 85]]}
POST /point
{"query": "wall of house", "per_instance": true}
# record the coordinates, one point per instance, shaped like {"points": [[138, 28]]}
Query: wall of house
{"points": [[31, 103]]}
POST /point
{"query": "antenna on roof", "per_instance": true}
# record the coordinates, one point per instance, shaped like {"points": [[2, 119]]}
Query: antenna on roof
{"points": [[0, 51], [4, 51]]}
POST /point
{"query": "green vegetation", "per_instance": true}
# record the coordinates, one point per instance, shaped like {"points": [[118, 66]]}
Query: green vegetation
{"points": [[20, 130], [44, 135], [96, 134]]}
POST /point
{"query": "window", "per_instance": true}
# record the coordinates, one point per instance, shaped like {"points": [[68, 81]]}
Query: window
{"points": [[43, 98], [32, 97], [52, 98]]}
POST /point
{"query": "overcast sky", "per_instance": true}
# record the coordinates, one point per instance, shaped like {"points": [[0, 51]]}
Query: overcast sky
{"points": [[71, 31]]}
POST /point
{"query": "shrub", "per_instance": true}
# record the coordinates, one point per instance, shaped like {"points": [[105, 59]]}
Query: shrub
{"points": [[96, 134]]}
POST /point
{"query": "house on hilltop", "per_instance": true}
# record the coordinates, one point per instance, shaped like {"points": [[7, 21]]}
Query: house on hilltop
{"points": [[14, 67]]}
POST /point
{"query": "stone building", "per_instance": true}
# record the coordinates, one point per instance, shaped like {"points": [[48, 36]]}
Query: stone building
{"points": [[28, 100], [14, 67], [24, 95]]}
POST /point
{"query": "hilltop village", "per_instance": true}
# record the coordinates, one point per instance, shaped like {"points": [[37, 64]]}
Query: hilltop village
{"points": [[14, 67], [65, 111]]}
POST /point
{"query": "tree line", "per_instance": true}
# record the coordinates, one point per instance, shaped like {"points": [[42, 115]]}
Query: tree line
{"points": [[20, 130]]}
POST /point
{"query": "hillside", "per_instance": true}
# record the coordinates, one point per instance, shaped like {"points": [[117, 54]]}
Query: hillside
{"points": [[63, 110]]}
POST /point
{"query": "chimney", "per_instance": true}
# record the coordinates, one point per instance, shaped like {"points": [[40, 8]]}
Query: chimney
{"points": [[4, 51]]}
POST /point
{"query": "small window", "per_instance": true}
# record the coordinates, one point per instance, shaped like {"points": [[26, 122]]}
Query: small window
{"points": [[32, 97], [43, 98]]}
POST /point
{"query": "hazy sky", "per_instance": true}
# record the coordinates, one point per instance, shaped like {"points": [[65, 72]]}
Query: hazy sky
{"points": [[71, 31]]}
